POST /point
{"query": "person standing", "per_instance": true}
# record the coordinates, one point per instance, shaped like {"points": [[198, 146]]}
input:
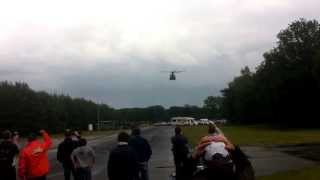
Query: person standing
{"points": [[65, 149], [33, 160], [8, 152], [143, 150], [83, 159], [180, 151], [123, 164]]}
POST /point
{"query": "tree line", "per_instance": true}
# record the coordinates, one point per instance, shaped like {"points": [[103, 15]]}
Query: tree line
{"points": [[25, 109], [285, 88]]}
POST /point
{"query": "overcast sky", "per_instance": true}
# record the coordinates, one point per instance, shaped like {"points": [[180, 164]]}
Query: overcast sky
{"points": [[113, 51]]}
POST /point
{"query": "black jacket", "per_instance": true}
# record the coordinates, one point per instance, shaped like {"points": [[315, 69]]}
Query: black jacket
{"points": [[65, 149], [8, 151], [122, 164], [141, 147], [180, 147]]}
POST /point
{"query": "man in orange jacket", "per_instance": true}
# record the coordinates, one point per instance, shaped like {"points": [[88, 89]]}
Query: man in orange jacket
{"points": [[33, 161]]}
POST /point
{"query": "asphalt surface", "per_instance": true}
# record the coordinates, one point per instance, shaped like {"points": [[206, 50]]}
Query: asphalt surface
{"points": [[269, 160], [160, 166], [265, 160]]}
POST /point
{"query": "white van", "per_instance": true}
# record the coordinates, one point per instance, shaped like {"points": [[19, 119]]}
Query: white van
{"points": [[182, 121]]}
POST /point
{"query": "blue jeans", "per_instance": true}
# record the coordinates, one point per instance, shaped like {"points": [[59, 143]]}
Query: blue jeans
{"points": [[143, 171]]}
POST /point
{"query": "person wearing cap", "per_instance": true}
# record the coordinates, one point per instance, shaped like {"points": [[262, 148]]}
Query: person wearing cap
{"points": [[33, 159], [143, 151], [83, 158], [65, 148], [8, 152], [123, 163]]}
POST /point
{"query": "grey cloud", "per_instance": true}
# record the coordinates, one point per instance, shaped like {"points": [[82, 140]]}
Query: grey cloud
{"points": [[108, 60]]}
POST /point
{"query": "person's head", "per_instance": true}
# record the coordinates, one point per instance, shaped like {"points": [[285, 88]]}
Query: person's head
{"points": [[32, 136], [16, 133], [136, 131], [6, 135], [212, 129], [67, 133], [177, 130], [83, 142], [123, 137]]}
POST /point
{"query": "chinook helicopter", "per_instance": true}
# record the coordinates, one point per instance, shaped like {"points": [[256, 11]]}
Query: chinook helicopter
{"points": [[172, 75]]}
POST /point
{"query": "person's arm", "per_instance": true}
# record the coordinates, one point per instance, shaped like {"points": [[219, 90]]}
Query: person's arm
{"points": [[73, 159], [217, 138], [221, 138], [22, 166], [47, 140], [59, 153], [149, 150], [93, 155], [229, 145], [218, 130], [200, 149]]}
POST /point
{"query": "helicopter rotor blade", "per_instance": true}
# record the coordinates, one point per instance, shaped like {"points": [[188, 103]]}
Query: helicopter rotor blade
{"points": [[178, 71], [165, 71]]}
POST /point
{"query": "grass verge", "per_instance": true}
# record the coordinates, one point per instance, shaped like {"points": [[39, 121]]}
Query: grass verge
{"points": [[258, 135]]}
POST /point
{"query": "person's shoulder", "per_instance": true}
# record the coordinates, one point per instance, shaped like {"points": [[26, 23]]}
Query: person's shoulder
{"points": [[119, 150], [182, 136], [144, 139], [61, 144], [134, 138], [64, 142]]}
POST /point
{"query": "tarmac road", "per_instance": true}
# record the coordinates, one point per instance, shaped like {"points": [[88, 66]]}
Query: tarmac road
{"points": [[265, 160], [160, 166]]}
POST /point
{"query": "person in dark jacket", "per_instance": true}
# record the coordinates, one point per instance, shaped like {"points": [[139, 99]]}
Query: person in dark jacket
{"points": [[123, 164], [65, 149], [180, 151], [8, 151], [143, 151]]}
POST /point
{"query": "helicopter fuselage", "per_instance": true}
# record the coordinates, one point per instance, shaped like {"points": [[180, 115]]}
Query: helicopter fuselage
{"points": [[172, 76]]}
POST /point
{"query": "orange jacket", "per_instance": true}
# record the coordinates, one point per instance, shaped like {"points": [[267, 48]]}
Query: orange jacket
{"points": [[33, 161]]}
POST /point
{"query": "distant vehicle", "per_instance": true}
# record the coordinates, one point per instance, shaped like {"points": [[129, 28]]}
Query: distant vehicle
{"points": [[211, 122], [195, 123], [182, 121], [204, 121], [161, 124], [172, 75], [221, 121]]}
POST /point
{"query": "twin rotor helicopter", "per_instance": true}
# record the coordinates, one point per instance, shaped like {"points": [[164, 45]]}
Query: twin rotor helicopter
{"points": [[172, 74]]}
